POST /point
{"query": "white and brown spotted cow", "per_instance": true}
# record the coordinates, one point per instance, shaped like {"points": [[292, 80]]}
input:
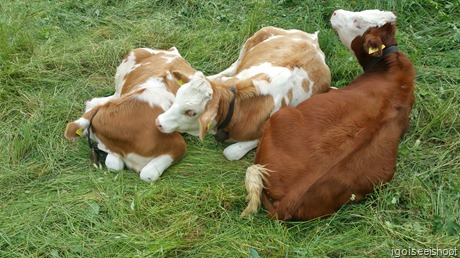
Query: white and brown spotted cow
{"points": [[123, 124], [276, 67]]}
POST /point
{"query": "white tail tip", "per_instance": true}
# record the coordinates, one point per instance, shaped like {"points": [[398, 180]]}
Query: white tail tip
{"points": [[254, 182]]}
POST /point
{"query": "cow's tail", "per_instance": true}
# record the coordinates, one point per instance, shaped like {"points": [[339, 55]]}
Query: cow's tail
{"points": [[254, 182]]}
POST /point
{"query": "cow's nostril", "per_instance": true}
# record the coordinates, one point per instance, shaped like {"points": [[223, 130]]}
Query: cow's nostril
{"points": [[157, 123], [334, 14]]}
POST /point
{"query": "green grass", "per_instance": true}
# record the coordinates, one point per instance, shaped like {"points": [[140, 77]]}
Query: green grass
{"points": [[54, 55]]}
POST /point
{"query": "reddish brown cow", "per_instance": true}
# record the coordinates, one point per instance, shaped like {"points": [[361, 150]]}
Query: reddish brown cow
{"points": [[334, 148]]}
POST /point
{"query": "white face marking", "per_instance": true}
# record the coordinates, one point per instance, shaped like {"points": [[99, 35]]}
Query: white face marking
{"points": [[189, 104], [349, 25]]}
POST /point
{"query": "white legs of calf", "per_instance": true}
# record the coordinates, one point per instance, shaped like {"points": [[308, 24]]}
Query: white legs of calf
{"points": [[153, 170], [114, 162], [149, 173], [155, 167], [237, 150]]}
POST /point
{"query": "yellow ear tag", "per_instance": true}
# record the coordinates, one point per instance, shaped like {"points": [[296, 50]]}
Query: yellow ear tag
{"points": [[181, 82], [79, 132], [372, 50], [209, 125]]}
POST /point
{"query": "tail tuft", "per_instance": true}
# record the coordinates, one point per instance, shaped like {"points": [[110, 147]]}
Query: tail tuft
{"points": [[254, 182]]}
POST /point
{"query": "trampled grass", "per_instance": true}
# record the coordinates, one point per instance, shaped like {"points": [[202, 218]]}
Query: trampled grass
{"points": [[54, 55]]}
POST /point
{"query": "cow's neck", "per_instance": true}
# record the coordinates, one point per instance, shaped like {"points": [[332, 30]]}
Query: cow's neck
{"points": [[373, 62], [231, 106], [227, 99]]}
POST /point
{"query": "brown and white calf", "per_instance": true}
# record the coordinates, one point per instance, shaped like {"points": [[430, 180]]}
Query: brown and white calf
{"points": [[334, 148], [276, 67], [123, 124]]}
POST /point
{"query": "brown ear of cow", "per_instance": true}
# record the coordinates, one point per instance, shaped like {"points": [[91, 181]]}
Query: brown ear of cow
{"points": [[71, 131], [373, 46], [205, 121], [181, 77], [206, 118]]}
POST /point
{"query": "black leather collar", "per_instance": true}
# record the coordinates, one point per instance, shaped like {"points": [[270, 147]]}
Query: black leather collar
{"points": [[374, 61], [231, 107], [222, 135], [96, 155]]}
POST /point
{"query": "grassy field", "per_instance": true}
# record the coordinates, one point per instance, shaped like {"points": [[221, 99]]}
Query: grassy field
{"points": [[54, 55]]}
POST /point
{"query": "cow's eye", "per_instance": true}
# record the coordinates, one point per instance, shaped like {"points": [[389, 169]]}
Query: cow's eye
{"points": [[190, 113]]}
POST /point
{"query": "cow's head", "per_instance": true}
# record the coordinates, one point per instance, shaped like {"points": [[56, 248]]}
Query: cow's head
{"points": [[350, 25], [192, 110]]}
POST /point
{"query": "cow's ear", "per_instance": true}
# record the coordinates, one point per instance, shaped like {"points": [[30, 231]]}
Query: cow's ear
{"points": [[205, 124], [205, 120], [181, 77], [373, 45], [73, 131], [208, 115]]}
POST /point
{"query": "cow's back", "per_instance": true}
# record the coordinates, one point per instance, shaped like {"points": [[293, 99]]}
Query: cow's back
{"points": [[354, 154], [295, 50], [143, 64], [126, 126]]}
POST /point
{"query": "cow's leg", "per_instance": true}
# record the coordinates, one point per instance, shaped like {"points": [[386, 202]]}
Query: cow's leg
{"points": [[237, 150], [114, 162], [153, 170]]}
